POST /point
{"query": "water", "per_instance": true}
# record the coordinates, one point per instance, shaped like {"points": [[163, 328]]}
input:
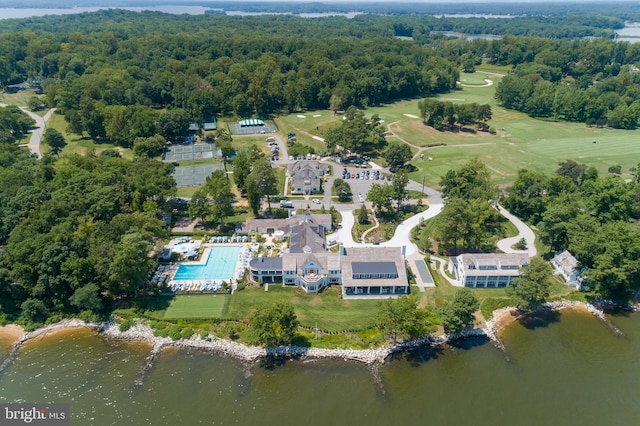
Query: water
{"points": [[220, 265], [562, 370], [10, 12]]}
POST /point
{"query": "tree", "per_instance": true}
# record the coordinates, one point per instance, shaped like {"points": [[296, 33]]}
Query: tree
{"points": [[130, 266], [381, 196], [224, 141], [241, 169], [219, 189], [532, 288], [399, 188], [342, 189], [199, 206], [261, 182], [397, 155], [34, 310], [149, 147], [573, 170], [87, 297], [363, 215], [458, 312], [471, 180], [35, 103], [276, 324], [54, 139], [401, 318], [356, 133]]}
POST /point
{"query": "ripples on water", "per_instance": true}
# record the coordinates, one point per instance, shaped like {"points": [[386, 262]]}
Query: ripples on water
{"points": [[570, 369]]}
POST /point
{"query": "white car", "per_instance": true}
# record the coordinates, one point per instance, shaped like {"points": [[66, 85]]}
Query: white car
{"points": [[316, 201]]}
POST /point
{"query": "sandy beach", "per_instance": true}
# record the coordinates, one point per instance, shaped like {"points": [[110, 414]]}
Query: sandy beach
{"points": [[506, 316], [11, 332]]}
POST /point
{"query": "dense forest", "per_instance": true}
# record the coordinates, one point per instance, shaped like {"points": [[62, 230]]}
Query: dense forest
{"points": [[101, 67], [595, 217], [75, 233]]}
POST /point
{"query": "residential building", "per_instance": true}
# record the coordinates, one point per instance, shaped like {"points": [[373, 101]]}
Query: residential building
{"points": [[566, 265], [481, 270]]}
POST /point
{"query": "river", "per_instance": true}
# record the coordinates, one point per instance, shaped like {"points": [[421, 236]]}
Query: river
{"points": [[564, 369]]}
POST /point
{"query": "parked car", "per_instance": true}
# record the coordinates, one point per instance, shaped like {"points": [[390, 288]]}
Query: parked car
{"points": [[316, 201]]}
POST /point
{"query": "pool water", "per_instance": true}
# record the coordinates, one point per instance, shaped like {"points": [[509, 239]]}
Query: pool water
{"points": [[220, 265]]}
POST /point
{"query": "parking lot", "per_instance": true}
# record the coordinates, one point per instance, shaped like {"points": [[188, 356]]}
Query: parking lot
{"points": [[359, 185]]}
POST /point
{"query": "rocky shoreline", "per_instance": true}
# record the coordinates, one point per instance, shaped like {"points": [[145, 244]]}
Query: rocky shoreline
{"points": [[143, 333]]}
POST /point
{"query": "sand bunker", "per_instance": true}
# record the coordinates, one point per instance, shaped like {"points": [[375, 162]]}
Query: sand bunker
{"points": [[301, 116], [411, 116], [316, 115]]}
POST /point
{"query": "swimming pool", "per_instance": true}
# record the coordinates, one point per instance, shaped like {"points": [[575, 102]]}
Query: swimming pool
{"points": [[220, 265]]}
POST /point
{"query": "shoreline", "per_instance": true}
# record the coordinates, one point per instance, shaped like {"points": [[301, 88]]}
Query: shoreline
{"points": [[245, 353]]}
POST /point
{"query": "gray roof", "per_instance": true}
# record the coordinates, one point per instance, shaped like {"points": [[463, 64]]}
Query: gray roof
{"points": [[368, 255], [566, 262], [263, 225], [374, 267], [307, 235], [266, 263]]}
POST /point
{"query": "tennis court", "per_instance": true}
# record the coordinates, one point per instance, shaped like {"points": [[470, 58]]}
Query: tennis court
{"points": [[200, 151], [194, 175], [256, 127]]}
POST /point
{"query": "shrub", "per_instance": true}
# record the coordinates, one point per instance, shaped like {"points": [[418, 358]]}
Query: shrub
{"points": [[186, 333], [174, 332], [126, 324]]}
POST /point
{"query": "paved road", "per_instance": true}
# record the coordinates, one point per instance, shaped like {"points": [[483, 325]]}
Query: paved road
{"points": [[523, 232], [36, 133]]}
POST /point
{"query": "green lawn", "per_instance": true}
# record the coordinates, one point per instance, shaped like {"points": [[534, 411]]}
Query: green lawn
{"points": [[18, 98], [196, 306], [519, 141], [327, 310]]}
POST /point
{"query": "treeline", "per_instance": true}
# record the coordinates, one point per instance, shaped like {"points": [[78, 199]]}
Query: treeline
{"points": [[14, 124], [120, 84], [75, 233], [594, 217], [594, 82], [439, 114]]}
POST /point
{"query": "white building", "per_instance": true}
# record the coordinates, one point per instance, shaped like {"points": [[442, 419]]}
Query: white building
{"points": [[566, 265], [361, 271], [487, 270]]}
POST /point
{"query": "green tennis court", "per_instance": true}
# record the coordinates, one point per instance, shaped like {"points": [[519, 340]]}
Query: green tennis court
{"points": [[194, 175]]}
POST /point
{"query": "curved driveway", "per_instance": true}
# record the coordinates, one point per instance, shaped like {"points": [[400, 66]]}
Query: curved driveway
{"points": [[523, 232], [36, 133]]}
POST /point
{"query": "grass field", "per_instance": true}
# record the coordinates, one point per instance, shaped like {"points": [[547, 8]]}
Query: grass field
{"points": [[19, 98], [520, 141], [327, 310], [196, 306]]}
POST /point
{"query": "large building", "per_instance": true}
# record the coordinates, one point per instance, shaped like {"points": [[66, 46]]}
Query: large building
{"points": [[270, 226], [480, 270], [361, 271], [306, 176]]}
